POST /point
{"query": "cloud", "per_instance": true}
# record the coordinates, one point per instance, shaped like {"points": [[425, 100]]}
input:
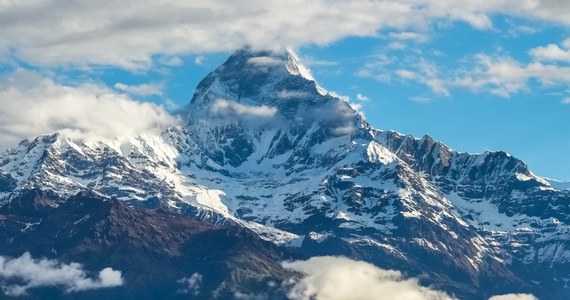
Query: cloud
{"points": [[48, 32], [565, 101], [223, 110], [33, 104], [409, 36], [377, 68], [332, 278], [552, 52], [45, 32], [287, 94], [147, 89], [223, 107], [170, 61], [32, 273], [514, 297], [264, 61], [427, 74], [361, 97], [504, 76], [191, 284]]}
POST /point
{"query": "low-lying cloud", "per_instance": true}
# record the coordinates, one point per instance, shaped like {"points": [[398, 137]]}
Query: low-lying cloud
{"points": [[514, 297], [33, 104], [190, 285], [19, 275], [338, 278]]}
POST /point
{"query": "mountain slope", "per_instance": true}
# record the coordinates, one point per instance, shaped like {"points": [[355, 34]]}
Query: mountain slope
{"points": [[154, 250], [262, 145]]}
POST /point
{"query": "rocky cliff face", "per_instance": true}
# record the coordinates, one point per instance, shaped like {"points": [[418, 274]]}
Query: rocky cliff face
{"points": [[265, 147]]}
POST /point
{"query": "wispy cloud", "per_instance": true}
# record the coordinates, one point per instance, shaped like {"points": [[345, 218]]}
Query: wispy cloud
{"points": [[224, 107], [428, 74], [504, 76], [147, 89], [19, 275]]}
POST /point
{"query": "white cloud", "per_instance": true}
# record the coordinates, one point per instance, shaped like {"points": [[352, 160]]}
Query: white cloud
{"points": [[32, 273], [409, 36], [46, 32], [427, 74], [199, 59], [172, 61], [361, 97], [286, 94], [191, 285], [336, 278], [33, 105], [147, 89], [504, 76], [551, 52], [223, 107], [514, 297], [377, 68], [406, 74], [565, 101], [264, 61], [49, 33]]}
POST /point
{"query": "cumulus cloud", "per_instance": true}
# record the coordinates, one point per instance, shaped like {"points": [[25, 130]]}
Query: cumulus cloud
{"points": [[332, 278], [191, 285], [33, 104], [18, 275], [552, 52], [47, 32], [514, 297]]}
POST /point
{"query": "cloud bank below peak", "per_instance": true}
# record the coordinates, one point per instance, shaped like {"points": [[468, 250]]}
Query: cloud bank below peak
{"points": [[33, 105], [19, 275], [46, 32], [339, 278]]}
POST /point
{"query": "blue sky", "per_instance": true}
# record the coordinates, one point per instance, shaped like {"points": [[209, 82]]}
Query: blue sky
{"points": [[475, 75]]}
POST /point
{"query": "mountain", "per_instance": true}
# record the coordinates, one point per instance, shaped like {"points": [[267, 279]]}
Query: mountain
{"points": [[263, 147], [559, 185], [153, 249]]}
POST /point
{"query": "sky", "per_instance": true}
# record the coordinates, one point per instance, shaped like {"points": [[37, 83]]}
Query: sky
{"points": [[475, 75]]}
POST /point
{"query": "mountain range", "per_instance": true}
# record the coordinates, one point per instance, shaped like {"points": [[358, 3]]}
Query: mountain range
{"points": [[267, 166]]}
